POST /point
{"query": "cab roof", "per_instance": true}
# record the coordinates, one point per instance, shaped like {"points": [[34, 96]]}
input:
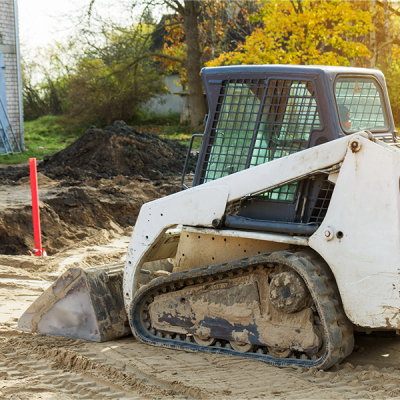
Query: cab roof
{"points": [[288, 69]]}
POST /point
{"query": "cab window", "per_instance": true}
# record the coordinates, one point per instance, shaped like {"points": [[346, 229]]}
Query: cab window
{"points": [[360, 105]]}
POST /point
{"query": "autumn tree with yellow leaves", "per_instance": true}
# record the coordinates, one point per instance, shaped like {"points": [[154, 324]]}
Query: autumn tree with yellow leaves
{"points": [[303, 32]]}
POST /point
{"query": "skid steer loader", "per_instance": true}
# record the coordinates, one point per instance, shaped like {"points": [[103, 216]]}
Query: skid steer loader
{"points": [[288, 239]]}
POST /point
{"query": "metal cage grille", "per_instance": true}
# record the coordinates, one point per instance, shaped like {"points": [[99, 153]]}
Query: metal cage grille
{"points": [[288, 116], [233, 128], [322, 202], [363, 100], [255, 123]]}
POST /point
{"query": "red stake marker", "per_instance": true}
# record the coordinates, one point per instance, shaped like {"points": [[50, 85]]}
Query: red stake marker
{"points": [[35, 208]]}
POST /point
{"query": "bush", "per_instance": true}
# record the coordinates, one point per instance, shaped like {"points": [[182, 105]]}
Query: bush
{"points": [[103, 93]]}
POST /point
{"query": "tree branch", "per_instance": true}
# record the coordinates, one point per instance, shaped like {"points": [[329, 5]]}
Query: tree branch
{"points": [[300, 6], [137, 60], [394, 11], [176, 7], [161, 55], [294, 6], [395, 40]]}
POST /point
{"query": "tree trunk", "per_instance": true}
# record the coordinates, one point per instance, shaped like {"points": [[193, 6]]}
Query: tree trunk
{"points": [[193, 65], [213, 33], [372, 36], [388, 35]]}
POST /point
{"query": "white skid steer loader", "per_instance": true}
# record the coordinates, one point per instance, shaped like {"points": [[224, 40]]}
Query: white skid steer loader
{"points": [[288, 239]]}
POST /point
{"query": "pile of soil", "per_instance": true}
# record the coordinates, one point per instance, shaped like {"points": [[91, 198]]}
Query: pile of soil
{"points": [[72, 215], [104, 154], [98, 183]]}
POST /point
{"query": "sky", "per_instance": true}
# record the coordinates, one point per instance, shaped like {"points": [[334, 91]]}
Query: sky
{"points": [[38, 22], [43, 21]]}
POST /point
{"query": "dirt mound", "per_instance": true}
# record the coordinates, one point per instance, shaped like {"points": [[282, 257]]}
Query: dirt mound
{"points": [[97, 183], [72, 214], [105, 154], [10, 174], [116, 150], [43, 181]]}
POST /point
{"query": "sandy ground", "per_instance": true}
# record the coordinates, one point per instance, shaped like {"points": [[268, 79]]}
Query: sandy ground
{"points": [[35, 366], [48, 367]]}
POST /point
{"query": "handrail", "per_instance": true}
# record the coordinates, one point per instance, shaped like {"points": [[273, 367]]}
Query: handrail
{"points": [[187, 158]]}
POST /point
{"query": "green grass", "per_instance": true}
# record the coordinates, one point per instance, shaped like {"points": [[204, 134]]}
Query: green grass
{"points": [[45, 136], [168, 126]]}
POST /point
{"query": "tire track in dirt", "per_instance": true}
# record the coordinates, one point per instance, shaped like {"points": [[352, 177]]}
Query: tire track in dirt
{"points": [[216, 376], [75, 370], [228, 377], [125, 368], [356, 382], [17, 367]]}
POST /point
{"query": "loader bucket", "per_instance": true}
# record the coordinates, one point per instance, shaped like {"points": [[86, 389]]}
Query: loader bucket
{"points": [[83, 304]]}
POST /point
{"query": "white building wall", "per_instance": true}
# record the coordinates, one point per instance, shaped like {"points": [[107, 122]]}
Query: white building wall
{"points": [[171, 102], [8, 47]]}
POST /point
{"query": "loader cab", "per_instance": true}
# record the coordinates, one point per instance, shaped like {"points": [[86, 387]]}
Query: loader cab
{"points": [[258, 114]]}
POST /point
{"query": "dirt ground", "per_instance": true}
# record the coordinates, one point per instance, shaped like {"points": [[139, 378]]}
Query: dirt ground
{"points": [[36, 366], [88, 221]]}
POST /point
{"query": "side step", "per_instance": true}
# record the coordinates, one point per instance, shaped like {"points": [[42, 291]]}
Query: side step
{"points": [[83, 304]]}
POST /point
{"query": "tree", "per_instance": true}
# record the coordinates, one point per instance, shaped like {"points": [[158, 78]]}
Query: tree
{"points": [[46, 96], [385, 48], [303, 32], [373, 37], [107, 83], [96, 81], [384, 34], [188, 47], [189, 11], [222, 26]]}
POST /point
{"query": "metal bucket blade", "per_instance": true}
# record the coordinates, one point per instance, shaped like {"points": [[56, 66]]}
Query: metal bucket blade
{"points": [[83, 304]]}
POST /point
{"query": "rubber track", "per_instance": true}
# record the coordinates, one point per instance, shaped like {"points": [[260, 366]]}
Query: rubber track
{"points": [[315, 273]]}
